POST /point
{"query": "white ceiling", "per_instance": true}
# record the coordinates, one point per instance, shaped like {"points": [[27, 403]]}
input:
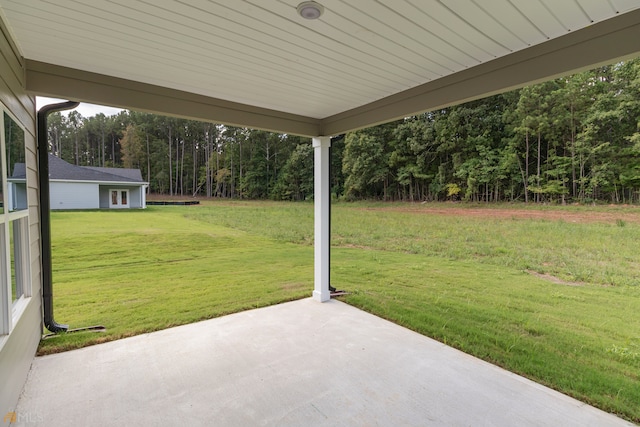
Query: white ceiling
{"points": [[261, 53]]}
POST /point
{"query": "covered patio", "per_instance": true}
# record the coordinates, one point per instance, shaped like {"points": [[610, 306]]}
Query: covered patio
{"points": [[312, 69], [316, 69], [293, 364]]}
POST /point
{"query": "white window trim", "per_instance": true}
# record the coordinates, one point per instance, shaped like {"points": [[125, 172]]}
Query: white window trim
{"points": [[11, 311], [6, 312]]}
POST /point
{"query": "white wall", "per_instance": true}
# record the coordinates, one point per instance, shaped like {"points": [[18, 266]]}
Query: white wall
{"points": [[73, 195], [135, 194], [18, 195]]}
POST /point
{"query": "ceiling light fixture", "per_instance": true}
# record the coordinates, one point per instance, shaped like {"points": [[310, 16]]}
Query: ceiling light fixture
{"points": [[310, 10]]}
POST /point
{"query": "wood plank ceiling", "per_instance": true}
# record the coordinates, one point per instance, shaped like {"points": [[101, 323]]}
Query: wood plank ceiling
{"points": [[262, 53]]}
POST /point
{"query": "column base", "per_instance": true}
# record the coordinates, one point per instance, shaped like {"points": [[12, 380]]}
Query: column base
{"points": [[321, 296]]}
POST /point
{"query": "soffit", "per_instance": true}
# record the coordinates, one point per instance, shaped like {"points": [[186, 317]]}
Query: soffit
{"points": [[260, 53]]}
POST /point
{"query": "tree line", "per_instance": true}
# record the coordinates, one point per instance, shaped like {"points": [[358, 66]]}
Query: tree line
{"points": [[572, 139]]}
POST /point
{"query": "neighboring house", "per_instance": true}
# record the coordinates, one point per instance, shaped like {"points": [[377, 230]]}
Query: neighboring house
{"points": [[84, 187]]}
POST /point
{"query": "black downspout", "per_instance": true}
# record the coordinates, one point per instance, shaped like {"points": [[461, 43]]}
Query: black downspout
{"points": [[331, 288], [45, 220], [334, 139]]}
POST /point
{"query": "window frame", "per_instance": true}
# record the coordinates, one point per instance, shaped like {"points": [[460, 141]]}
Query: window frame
{"points": [[10, 309]]}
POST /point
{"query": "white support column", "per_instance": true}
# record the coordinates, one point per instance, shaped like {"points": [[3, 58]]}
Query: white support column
{"points": [[322, 199]]}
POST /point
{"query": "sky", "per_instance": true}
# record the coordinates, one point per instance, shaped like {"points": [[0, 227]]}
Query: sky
{"points": [[86, 110]]}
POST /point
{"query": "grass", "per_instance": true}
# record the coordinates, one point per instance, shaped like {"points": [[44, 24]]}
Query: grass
{"points": [[582, 340], [460, 279], [141, 271], [597, 252]]}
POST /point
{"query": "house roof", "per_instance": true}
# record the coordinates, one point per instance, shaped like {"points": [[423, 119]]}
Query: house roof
{"points": [[257, 63], [64, 171], [19, 172], [61, 170], [130, 174]]}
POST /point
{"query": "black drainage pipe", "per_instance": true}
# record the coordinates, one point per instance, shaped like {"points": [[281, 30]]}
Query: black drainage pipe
{"points": [[45, 220], [333, 140]]}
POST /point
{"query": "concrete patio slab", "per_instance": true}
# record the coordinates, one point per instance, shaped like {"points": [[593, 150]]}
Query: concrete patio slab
{"points": [[296, 364]]}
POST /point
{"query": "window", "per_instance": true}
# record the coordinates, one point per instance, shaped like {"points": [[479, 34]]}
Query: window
{"points": [[15, 278]]}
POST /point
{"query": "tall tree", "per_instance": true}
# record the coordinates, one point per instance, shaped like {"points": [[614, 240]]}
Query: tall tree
{"points": [[131, 147], [366, 162], [76, 122]]}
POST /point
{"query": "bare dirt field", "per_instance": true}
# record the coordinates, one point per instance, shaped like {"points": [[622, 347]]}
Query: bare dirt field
{"points": [[516, 213], [584, 214]]}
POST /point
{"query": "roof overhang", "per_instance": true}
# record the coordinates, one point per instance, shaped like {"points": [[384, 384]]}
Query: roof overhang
{"points": [[517, 60], [120, 183], [68, 83]]}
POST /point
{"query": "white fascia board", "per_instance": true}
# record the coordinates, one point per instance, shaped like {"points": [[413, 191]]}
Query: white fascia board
{"points": [[100, 182]]}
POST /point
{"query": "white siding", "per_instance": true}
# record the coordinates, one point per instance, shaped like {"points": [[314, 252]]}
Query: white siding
{"points": [[135, 197], [104, 197], [18, 195], [73, 195], [18, 348]]}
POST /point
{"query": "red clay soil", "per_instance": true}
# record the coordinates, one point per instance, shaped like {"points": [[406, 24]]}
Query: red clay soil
{"points": [[488, 212], [515, 213]]}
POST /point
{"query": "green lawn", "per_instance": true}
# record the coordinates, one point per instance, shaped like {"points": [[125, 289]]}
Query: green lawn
{"points": [[463, 280], [140, 271]]}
